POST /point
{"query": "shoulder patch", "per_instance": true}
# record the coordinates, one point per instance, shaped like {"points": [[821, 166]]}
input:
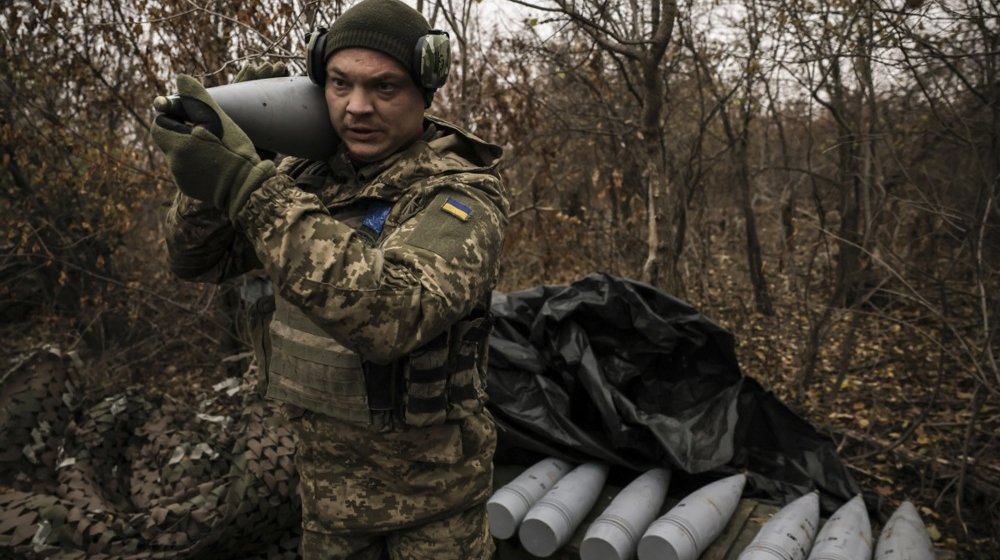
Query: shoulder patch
{"points": [[457, 209], [444, 227]]}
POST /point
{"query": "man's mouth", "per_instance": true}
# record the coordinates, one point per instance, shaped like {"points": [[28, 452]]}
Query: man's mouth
{"points": [[361, 132]]}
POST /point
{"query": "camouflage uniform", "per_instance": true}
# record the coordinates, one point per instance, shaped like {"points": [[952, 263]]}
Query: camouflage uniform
{"points": [[405, 303]]}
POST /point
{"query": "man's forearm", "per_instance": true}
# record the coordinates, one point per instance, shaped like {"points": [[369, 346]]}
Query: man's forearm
{"points": [[202, 245]]}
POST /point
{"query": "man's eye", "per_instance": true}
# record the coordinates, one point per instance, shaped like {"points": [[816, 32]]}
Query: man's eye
{"points": [[338, 83], [386, 87]]}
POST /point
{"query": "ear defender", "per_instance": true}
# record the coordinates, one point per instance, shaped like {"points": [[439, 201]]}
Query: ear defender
{"points": [[430, 65], [315, 47], [432, 59]]}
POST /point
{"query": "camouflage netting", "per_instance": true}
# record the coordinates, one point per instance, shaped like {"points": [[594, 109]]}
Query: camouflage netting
{"points": [[133, 479]]}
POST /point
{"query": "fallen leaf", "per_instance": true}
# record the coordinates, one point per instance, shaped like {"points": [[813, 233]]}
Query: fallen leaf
{"points": [[928, 512]]}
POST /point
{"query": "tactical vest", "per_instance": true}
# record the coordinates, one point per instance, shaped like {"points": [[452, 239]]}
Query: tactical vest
{"points": [[442, 380], [309, 369]]}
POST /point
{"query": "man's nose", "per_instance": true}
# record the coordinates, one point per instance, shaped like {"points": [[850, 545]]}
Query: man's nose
{"points": [[359, 101]]}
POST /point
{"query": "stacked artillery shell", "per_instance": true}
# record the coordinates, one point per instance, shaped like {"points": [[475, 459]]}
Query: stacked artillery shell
{"points": [[904, 537], [284, 115], [685, 531], [789, 534], [550, 523], [847, 535], [615, 533], [508, 505]]}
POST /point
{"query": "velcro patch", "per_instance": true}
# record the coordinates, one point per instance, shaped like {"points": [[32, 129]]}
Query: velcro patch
{"points": [[457, 209], [374, 220]]}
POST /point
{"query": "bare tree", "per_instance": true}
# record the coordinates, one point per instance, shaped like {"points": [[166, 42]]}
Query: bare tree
{"points": [[636, 38], [743, 95]]}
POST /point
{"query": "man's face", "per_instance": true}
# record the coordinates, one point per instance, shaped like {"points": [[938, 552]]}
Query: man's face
{"points": [[374, 105]]}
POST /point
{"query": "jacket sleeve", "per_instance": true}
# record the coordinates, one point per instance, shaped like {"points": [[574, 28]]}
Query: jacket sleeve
{"points": [[203, 245], [384, 301]]}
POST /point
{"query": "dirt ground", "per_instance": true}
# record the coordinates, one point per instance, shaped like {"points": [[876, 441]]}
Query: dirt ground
{"points": [[905, 416]]}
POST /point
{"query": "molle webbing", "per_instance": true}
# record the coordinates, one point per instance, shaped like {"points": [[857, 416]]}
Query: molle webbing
{"points": [[466, 391], [444, 378], [310, 369], [426, 400]]}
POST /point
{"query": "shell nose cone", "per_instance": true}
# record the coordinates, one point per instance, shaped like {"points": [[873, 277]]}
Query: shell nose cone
{"points": [[538, 537]]}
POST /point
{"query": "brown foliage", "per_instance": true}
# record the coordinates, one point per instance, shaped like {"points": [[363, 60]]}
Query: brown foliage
{"points": [[869, 143]]}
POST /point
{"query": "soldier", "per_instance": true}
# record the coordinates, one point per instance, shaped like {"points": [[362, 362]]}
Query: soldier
{"points": [[382, 259]]}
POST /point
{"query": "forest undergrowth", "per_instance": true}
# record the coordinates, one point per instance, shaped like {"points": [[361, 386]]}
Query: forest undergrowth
{"points": [[899, 414], [899, 419], [898, 408], [821, 179], [889, 383]]}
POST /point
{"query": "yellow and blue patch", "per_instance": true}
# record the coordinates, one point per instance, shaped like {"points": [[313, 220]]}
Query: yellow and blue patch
{"points": [[457, 209]]}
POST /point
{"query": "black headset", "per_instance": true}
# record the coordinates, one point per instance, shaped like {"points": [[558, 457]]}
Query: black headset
{"points": [[431, 59]]}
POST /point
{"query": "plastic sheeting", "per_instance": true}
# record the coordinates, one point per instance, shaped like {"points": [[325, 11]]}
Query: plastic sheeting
{"points": [[615, 370]]}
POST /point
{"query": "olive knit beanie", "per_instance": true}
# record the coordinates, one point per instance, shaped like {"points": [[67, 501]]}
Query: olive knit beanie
{"points": [[388, 26]]}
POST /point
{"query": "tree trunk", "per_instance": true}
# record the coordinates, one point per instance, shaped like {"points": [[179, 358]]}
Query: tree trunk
{"points": [[761, 295]]}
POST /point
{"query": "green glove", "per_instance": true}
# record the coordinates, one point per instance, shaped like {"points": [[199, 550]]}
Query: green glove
{"points": [[211, 158], [261, 71]]}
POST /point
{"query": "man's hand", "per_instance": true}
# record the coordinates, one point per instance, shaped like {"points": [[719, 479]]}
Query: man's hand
{"points": [[211, 158], [261, 71]]}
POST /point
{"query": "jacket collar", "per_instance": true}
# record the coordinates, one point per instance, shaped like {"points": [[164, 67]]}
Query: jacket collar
{"points": [[444, 148]]}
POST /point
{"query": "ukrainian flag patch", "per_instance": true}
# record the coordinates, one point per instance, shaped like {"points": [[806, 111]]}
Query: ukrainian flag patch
{"points": [[457, 209]]}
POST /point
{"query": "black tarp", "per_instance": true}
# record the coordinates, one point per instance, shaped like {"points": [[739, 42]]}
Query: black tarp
{"points": [[614, 370]]}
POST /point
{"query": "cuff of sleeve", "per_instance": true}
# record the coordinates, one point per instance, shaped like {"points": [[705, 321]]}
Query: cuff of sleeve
{"points": [[272, 204], [185, 207], [257, 176]]}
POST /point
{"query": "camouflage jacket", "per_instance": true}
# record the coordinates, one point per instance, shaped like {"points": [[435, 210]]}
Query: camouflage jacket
{"points": [[381, 296]]}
